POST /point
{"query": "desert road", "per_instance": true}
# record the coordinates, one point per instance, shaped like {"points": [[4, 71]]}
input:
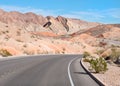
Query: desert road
{"points": [[44, 70]]}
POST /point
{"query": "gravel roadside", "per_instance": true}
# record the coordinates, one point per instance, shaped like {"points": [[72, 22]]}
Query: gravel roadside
{"points": [[110, 78]]}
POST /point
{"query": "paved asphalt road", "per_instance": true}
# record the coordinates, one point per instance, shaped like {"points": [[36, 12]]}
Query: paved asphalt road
{"points": [[46, 70]]}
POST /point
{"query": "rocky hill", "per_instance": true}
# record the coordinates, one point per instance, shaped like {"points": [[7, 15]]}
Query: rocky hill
{"points": [[58, 25], [29, 33]]}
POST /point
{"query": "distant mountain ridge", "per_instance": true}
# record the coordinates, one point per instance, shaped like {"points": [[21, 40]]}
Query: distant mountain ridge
{"points": [[59, 25]]}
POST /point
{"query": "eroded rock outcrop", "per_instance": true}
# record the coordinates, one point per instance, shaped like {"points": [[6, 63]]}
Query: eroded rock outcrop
{"points": [[28, 33]]}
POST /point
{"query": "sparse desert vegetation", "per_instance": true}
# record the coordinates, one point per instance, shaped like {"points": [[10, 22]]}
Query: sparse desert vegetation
{"points": [[5, 53], [98, 65], [25, 36], [105, 68]]}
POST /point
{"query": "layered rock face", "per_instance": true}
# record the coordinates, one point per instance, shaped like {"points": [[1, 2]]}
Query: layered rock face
{"points": [[29, 33], [59, 25]]}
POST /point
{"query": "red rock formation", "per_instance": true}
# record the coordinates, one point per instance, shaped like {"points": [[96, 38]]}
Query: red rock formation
{"points": [[59, 25], [63, 21], [45, 34], [34, 34]]}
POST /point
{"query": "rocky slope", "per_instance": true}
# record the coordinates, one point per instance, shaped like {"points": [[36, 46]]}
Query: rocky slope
{"points": [[34, 22], [99, 37], [30, 34]]}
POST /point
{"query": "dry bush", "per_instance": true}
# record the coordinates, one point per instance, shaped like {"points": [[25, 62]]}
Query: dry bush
{"points": [[86, 54], [98, 65], [5, 53], [115, 55]]}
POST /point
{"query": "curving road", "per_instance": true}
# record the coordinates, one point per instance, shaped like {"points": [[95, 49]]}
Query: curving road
{"points": [[44, 70]]}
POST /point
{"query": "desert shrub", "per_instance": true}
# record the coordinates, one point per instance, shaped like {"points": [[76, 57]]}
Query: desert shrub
{"points": [[5, 53], [98, 65], [19, 40], [28, 52], [86, 59], [113, 46], [25, 45], [32, 36], [86, 54], [98, 52], [114, 55], [7, 31], [63, 50]]}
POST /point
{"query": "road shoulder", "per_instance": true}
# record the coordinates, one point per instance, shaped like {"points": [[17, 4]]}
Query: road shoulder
{"points": [[80, 76]]}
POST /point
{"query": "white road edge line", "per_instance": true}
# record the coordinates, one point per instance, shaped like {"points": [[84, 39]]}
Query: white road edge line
{"points": [[70, 78]]}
